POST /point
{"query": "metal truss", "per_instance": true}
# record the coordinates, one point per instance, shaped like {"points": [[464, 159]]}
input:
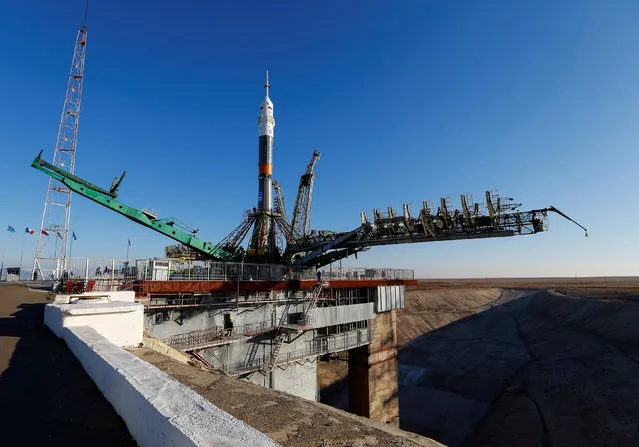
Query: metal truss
{"points": [[53, 236], [503, 220], [301, 220]]}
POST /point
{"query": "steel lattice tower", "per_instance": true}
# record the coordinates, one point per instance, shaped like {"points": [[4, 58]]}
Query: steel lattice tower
{"points": [[52, 251]]}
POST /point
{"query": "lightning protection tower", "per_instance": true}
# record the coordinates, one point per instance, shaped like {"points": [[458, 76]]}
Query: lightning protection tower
{"points": [[51, 254]]}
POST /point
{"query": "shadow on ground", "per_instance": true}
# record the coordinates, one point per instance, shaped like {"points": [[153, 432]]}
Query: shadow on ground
{"points": [[533, 369], [46, 398]]}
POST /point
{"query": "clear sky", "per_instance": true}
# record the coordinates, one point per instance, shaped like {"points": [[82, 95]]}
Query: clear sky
{"points": [[407, 101]]}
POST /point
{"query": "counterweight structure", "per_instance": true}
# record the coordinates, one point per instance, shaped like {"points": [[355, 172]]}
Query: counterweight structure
{"points": [[51, 255]]}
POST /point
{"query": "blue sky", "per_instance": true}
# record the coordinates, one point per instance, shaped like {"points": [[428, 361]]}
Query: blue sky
{"points": [[407, 101]]}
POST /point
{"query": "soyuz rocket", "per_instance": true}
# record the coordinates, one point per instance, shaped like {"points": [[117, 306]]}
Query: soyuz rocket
{"points": [[265, 125], [263, 240]]}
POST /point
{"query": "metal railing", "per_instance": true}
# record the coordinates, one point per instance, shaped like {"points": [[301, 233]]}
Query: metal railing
{"points": [[202, 338], [359, 273], [316, 347], [103, 274], [178, 270], [16, 274]]}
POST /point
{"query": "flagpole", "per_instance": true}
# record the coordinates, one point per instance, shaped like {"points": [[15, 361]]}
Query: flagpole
{"points": [[128, 245], [2, 254], [21, 253]]}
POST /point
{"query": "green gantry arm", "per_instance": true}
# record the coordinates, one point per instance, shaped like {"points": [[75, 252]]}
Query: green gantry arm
{"points": [[108, 199]]}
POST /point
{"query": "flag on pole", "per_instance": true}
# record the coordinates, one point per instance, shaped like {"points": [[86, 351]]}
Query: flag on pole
{"points": [[29, 230], [129, 242], [74, 238], [44, 232], [59, 235], [10, 229]]}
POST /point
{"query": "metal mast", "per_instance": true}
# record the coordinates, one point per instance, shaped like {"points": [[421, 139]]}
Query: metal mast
{"points": [[52, 250], [280, 205], [301, 220]]}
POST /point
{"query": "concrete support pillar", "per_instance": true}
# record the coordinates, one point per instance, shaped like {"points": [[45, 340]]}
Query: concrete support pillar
{"points": [[372, 373]]}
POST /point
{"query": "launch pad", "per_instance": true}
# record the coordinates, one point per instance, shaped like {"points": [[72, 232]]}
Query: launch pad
{"points": [[275, 239], [267, 309]]}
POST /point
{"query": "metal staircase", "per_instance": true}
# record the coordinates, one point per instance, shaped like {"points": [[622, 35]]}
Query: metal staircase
{"points": [[278, 340], [315, 293]]}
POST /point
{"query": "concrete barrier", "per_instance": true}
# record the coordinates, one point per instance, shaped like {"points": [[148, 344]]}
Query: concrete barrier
{"points": [[157, 409], [119, 322]]}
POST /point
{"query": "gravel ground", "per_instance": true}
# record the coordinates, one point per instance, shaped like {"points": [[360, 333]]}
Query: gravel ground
{"points": [[535, 367], [46, 398], [291, 421]]}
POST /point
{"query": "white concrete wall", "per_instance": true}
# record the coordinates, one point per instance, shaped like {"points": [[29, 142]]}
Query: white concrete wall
{"points": [[158, 410], [297, 378], [259, 378], [119, 322], [192, 320]]}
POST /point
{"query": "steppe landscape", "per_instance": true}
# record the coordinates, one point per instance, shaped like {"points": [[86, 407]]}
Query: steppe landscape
{"points": [[526, 362]]}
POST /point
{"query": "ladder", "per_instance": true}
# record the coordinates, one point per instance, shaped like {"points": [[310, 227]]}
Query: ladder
{"points": [[315, 293], [278, 340]]}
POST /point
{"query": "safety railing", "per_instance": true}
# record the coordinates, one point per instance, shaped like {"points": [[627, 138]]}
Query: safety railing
{"points": [[358, 273], [102, 274], [201, 338], [318, 346]]}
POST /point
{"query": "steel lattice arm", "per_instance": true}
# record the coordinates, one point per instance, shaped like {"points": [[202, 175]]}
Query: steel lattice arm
{"points": [[301, 219], [322, 248], [107, 199], [280, 205], [232, 241]]}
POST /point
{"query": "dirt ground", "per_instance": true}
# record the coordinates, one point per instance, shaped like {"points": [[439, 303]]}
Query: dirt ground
{"points": [[46, 398], [290, 421], [518, 362]]}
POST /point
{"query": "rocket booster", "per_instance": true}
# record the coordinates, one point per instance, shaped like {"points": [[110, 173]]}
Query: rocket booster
{"points": [[265, 125]]}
